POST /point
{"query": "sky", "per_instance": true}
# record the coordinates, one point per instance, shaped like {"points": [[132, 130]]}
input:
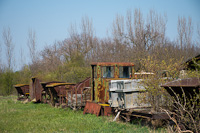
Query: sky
{"points": [[51, 19]]}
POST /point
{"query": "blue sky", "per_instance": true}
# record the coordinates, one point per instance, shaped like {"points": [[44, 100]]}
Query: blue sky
{"points": [[51, 19]]}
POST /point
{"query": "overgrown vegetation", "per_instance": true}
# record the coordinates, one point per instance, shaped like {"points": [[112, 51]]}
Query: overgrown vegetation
{"points": [[18, 117], [183, 110], [185, 113]]}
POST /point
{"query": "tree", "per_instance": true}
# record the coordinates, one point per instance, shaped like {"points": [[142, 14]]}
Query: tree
{"points": [[31, 43], [9, 47], [8, 75], [185, 34]]}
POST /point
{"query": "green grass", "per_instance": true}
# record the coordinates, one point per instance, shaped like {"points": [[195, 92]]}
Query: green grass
{"points": [[18, 117]]}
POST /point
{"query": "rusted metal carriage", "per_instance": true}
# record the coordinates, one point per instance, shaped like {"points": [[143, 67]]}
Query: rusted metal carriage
{"points": [[46, 91], [102, 73], [22, 90], [58, 92], [77, 96], [189, 86], [36, 90]]}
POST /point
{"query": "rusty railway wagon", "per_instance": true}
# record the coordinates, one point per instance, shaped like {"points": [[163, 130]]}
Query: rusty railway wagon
{"points": [[46, 91], [58, 92], [22, 90], [38, 90], [77, 95], [189, 87]]}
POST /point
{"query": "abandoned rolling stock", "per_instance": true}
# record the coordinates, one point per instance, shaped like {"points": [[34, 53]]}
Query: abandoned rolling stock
{"points": [[46, 91], [124, 94], [102, 74], [77, 95], [22, 90], [36, 90], [58, 92]]}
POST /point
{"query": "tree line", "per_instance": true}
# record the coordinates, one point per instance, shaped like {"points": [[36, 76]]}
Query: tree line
{"points": [[132, 38]]}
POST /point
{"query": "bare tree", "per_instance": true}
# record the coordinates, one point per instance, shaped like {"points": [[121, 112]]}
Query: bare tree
{"points": [[139, 37], [9, 47], [185, 32], [32, 45], [81, 41], [198, 35]]}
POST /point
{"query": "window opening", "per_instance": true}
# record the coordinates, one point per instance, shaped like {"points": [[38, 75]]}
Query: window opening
{"points": [[125, 72], [108, 72]]}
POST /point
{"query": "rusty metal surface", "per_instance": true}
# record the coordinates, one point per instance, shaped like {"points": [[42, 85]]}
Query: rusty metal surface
{"points": [[77, 95], [58, 92], [112, 63], [44, 84], [92, 108], [46, 91], [190, 86], [189, 82], [36, 90], [100, 82], [97, 109], [22, 89], [106, 110]]}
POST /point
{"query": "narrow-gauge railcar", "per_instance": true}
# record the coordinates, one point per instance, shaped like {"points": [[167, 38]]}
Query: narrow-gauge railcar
{"points": [[22, 90], [102, 74], [36, 90], [58, 92], [46, 91], [77, 95]]}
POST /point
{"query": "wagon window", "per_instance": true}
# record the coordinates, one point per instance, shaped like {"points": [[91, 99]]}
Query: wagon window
{"points": [[125, 72], [108, 72]]}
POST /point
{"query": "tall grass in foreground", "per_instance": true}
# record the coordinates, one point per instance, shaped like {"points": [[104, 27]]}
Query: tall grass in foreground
{"points": [[18, 117]]}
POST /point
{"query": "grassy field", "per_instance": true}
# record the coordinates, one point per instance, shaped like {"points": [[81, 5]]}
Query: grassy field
{"points": [[18, 117]]}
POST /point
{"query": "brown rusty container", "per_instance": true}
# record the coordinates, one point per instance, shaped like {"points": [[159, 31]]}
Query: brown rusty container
{"points": [[35, 90], [22, 89], [46, 91], [58, 91], [190, 86]]}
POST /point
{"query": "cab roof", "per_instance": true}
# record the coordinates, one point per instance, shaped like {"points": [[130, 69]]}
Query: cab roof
{"points": [[112, 64]]}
